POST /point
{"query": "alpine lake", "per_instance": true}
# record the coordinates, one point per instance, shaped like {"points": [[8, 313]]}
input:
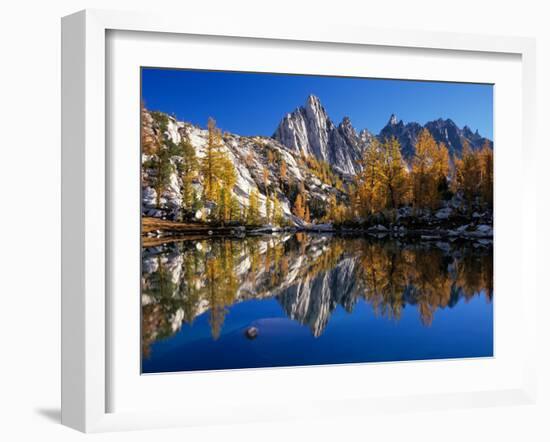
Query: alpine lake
{"points": [[302, 298]]}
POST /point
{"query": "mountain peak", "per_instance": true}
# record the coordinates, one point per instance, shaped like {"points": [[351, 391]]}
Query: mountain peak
{"points": [[313, 108], [393, 120], [310, 131], [346, 121], [347, 130], [313, 100]]}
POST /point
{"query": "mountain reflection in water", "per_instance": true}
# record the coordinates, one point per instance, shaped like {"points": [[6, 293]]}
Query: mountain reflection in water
{"points": [[309, 276]]}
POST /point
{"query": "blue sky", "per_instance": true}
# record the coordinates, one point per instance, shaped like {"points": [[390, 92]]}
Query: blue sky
{"points": [[253, 104]]}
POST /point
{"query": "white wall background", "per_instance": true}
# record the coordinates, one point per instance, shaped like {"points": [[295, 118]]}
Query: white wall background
{"points": [[30, 220]]}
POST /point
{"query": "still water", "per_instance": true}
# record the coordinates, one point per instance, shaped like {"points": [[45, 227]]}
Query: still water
{"points": [[312, 299]]}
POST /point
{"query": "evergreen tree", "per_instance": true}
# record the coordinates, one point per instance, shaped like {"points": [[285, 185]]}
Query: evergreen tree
{"points": [[162, 168], [196, 202], [187, 168]]}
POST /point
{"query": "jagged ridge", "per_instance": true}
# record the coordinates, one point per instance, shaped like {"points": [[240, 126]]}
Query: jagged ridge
{"points": [[309, 131]]}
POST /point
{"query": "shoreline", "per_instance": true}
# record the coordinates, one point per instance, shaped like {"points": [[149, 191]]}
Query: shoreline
{"points": [[156, 232]]}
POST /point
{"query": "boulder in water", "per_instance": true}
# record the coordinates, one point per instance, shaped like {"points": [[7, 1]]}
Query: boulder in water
{"points": [[251, 332]]}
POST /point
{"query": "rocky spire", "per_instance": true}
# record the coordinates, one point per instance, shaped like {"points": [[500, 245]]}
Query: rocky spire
{"points": [[310, 131]]}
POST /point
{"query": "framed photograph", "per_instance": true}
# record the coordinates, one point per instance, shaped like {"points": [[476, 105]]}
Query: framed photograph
{"points": [[291, 243], [251, 212]]}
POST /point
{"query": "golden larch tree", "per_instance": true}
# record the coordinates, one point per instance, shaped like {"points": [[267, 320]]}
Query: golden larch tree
{"points": [[268, 209], [368, 185], [392, 174], [265, 177], [253, 213], [424, 175], [299, 209], [486, 171], [270, 156], [211, 163], [283, 170], [467, 173], [218, 173], [441, 163], [277, 211]]}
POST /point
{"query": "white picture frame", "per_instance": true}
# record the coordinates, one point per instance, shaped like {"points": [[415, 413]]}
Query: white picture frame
{"points": [[86, 356]]}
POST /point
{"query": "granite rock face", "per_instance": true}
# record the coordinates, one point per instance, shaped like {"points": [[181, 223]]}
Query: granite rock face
{"points": [[309, 131], [250, 157]]}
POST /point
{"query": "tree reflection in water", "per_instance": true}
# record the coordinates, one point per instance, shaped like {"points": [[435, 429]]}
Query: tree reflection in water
{"points": [[309, 275]]}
